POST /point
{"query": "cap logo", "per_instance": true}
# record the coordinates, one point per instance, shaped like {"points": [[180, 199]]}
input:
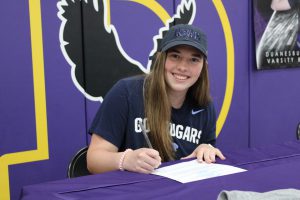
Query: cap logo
{"points": [[187, 33]]}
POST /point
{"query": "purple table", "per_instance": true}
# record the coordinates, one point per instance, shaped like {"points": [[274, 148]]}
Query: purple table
{"points": [[269, 168]]}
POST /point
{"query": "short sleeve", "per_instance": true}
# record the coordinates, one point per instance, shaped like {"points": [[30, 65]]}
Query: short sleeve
{"points": [[111, 118]]}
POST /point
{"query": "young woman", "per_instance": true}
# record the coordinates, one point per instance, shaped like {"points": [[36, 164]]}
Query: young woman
{"points": [[172, 104]]}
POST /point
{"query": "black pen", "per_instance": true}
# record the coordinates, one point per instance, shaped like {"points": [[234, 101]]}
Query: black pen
{"points": [[145, 134]]}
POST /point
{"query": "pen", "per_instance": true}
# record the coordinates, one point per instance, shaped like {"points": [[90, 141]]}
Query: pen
{"points": [[145, 134]]}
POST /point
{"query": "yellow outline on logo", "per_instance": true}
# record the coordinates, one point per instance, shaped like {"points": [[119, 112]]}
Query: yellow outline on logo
{"points": [[230, 65], [156, 8], [42, 151]]}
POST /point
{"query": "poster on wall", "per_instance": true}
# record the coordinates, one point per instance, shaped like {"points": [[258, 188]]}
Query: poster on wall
{"points": [[277, 37]]}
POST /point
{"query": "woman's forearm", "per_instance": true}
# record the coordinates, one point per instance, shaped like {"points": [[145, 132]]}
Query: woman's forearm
{"points": [[99, 160]]}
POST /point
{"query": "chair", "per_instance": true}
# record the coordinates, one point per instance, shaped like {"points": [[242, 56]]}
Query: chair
{"points": [[298, 132], [78, 166]]}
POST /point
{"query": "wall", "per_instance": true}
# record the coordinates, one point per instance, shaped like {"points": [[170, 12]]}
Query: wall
{"points": [[44, 112]]}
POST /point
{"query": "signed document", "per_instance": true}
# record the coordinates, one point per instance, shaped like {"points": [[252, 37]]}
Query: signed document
{"points": [[193, 171]]}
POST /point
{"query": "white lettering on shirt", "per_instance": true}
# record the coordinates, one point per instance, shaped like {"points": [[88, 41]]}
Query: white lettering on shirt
{"points": [[137, 127], [178, 131]]}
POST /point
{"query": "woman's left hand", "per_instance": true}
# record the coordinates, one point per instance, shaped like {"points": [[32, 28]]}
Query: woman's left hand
{"points": [[207, 153]]}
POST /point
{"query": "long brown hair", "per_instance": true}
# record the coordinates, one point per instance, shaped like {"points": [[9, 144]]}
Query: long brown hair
{"points": [[158, 107]]}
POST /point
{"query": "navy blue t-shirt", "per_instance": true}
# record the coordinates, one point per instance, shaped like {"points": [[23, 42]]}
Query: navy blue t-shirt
{"points": [[118, 117]]}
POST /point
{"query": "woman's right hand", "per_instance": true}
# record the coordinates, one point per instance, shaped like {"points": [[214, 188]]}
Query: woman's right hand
{"points": [[142, 160]]}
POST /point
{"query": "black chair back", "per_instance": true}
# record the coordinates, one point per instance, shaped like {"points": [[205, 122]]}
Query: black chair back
{"points": [[78, 166]]}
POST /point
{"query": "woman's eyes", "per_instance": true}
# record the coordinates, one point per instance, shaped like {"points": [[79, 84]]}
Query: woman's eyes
{"points": [[195, 60], [177, 57]]}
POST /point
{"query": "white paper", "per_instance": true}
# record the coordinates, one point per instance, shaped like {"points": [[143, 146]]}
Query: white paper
{"points": [[193, 171]]}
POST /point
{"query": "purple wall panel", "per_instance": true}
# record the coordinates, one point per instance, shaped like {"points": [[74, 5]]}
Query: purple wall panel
{"points": [[276, 108], [65, 104], [235, 133], [16, 85]]}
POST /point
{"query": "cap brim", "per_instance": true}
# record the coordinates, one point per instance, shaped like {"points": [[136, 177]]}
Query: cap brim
{"points": [[176, 43]]}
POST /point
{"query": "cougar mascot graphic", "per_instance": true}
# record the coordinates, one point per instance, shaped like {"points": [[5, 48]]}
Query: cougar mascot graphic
{"points": [[93, 49]]}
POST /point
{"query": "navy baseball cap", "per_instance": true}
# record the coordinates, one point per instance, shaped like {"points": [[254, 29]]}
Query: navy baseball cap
{"points": [[184, 34]]}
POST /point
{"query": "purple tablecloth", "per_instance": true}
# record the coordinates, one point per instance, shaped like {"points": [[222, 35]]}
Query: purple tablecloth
{"points": [[269, 168]]}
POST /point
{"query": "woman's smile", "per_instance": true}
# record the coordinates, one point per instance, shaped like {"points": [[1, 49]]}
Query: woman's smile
{"points": [[182, 68]]}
